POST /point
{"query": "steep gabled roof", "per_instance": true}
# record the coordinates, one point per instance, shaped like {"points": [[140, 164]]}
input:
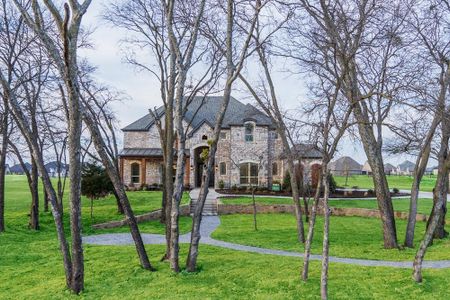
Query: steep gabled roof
{"points": [[18, 168], [406, 166], [204, 110], [345, 163]]}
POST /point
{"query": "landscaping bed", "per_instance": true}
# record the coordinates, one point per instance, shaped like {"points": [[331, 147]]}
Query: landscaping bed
{"points": [[339, 193]]}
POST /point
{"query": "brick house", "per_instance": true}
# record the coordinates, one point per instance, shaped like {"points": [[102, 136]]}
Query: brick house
{"points": [[249, 149]]}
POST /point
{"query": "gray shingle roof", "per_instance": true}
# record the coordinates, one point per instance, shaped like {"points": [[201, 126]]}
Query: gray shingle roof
{"points": [[345, 163], [204, 110], [144, 152], [305, 151]]}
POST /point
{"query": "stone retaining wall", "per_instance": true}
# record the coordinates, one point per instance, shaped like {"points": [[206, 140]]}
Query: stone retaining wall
{"points": [[227, 209]]}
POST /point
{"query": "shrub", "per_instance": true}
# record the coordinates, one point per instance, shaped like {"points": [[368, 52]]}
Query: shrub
{"points": [[221, 185], [234, 187], [287, 182], [396, 190], [242, 188], [332, 184]]}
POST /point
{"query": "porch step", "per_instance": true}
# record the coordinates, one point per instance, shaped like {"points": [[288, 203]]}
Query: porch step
{"points": [[209, 209]]}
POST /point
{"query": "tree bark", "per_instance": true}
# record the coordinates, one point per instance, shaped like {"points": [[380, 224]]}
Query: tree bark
{"points": [[114, 175], [439, 201], [312, 223], [375, 159], [3, 151], [326, 233], [255, 225], [34, 183], [296, 198]]}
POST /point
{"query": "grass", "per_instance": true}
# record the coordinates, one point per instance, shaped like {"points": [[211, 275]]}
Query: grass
{"points": [[353, 237], [31, 267], [400, 182]]}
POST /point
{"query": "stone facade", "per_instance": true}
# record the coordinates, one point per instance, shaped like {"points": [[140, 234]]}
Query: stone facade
{"points": [[243, 156]]}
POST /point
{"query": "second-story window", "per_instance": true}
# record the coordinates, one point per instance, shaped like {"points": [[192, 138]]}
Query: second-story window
{"points": [[223, 135], [249, 131]]}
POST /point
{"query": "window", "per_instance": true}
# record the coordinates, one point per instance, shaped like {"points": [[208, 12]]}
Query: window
{"points": [[135, 173], [223, 135], [249, 130], [223, 168], [274, 135], [204, 137], [249, 173], [274, 169]]}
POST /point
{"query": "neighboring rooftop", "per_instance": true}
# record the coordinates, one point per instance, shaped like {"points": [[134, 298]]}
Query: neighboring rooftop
{"points": [[345, 163]]}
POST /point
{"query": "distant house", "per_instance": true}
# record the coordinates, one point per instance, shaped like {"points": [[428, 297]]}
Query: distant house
{"points": [[55, 168], [367, 170], [345, 166], [405, 168], [18, 170], [389, 169], [431, 170], [7, 170]]}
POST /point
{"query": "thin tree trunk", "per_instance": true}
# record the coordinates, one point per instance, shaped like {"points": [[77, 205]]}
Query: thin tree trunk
{"points": [[45, 201], [419, 171], [312, 223], [113, 174], [34, 211], [3, 150], [326, 233], [255, 225], [119, 206], [439, 199], [296, 198]]}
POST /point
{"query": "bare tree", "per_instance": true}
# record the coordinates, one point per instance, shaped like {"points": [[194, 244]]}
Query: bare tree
{"points": [[63, 52], [235, 58], [267, 99], [366, 39]]}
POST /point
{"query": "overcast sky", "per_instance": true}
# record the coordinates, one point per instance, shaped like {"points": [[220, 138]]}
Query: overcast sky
{"points": [[143, 90]]}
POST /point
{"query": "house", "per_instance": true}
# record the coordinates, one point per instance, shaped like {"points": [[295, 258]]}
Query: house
{"points": [[389, 169], [7, 170], [249, 150], [18, 170], [405, 168], [345, 166], [55, 169], [366, 169]]}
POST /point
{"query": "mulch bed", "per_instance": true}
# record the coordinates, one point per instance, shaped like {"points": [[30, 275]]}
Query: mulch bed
{"points": [[336, 194]]}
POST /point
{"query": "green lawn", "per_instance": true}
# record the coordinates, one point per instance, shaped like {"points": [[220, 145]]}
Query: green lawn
{"points": [[354, 237], [31, 268], [400, 182]]}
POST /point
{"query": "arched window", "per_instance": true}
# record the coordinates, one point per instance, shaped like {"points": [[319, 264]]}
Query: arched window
{"points": [[249, 173], [204, 137], [249, 131], [135, 173], [274, 169]]}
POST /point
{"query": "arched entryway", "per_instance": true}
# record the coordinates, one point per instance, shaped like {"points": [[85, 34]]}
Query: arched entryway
{"points": [[199, 163]]}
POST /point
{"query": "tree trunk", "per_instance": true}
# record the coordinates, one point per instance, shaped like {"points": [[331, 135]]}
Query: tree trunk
{"points": [[419, 171], [439, 201], [113, 174], [326, 244], [45, 201], [312, 223], [191, 263], [3, 150], [375, 159], [255, 225], [34, 183], [296, 198], [119, 206]]}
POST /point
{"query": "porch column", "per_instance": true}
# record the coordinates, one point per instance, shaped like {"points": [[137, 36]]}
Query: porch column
{"points": [[143, 171]]}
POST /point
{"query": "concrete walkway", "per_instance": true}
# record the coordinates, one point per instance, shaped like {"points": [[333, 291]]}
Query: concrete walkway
{"points": [[210, 223]]}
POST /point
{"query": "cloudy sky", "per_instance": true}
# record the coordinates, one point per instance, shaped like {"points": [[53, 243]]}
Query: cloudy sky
{"points": [[143, 90]]}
